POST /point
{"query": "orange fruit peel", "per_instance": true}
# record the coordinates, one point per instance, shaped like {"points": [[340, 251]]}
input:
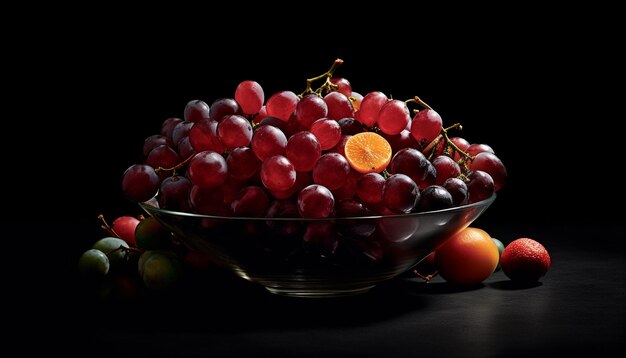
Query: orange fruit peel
{"points": [[368, 152]]}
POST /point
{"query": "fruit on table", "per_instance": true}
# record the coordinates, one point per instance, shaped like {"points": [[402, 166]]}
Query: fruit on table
{"points": [[467, 258], [323, 152], [525, 260]]}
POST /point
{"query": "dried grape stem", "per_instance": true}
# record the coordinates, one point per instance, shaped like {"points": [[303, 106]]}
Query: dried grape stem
{"points": [[327, 84]]}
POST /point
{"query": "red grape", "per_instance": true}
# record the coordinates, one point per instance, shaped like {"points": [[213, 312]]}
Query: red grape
{"points": [[163, 157], [310, 108], [281, 105], [434, 197], [393, 117], [268, 141], [277, 173], [331, 170], [315, 201], [339, 106], [174, 193], [181, 131], [411, 162], [203, 136], [124, 227], [303, 150], [400, 193], [224, 107], [370, 106], [196, 110], [343, 85], [250, 96], [252, 201], [327, 132], [458, 190], [242, 163], [479, 186], [168, 126], [426, 126], [234, 131], [369, 188], [207, 169], [140, 182], [154, 141], [445, 168]]}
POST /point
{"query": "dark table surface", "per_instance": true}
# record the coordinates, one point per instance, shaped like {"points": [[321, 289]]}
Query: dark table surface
{"points": [[578, 307]]}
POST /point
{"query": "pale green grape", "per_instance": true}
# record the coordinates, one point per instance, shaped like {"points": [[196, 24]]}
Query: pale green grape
{"points": [[93, 263]]}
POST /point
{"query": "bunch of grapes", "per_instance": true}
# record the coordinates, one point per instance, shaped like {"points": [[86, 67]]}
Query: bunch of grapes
{"points": [[326, 152], [321, 153]]}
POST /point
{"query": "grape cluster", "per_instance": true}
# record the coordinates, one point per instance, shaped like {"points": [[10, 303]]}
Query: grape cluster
{"points": [[248, 156]]}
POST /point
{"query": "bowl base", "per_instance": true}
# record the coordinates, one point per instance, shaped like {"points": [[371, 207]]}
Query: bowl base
{"points": [[300, 292]]}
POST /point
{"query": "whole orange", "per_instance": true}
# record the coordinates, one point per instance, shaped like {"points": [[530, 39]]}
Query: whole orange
{"points": [[467, 258]]}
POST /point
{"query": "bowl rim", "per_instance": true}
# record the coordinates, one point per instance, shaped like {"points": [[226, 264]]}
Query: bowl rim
{"points": [[151, 208]]}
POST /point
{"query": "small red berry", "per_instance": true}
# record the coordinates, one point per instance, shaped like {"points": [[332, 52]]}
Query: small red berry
{"points": [[525, 260]]}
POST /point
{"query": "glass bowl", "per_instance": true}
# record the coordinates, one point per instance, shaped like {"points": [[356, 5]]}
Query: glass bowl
{"points": [[318, 257]]}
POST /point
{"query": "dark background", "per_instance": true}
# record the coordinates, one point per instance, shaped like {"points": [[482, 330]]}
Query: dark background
{"points": [[535, 85]]}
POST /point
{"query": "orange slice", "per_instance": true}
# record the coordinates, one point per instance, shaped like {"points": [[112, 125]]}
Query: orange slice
{"points": [[368, 152]]}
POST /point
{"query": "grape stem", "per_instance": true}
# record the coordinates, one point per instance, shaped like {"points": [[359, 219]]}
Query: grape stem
{"points": [[177, 166], [106, 227], [426, 278], [419, 101], [328, 86], [449, 147]]}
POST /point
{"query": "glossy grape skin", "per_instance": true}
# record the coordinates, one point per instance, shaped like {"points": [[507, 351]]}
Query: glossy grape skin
{"points": [[196, 110], [411, 162], [339, 106], [491, 164], [234, 131], [343, 86], [113, 247], [273, 121], [369, 188], [315, 201], [168, 125], [430, 178], [224, 107], [140, 182], [124, 228], [327, 131], [277, 173], [174, 194], [310, 108], [462, 143], [445, 168], [181, 131], [434, 197], [268, 141], [281, 105], [400, 193], [250, 96], [426, 126], [260, 116], [303, 150], [154, 141], [243, 163], [480, 186], [152, 235], [251, 201], [93, 263], [331, 170], [370, 107], [476, 148], [393, 118], [207, 169], [458, 190], [161, 271], [163, 157], [203, 136]]}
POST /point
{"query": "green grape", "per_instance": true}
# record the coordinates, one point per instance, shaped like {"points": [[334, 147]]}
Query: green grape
{"points": [[500, 246], [108, 246], [161, 270], [93, 263], [152, 235]]}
